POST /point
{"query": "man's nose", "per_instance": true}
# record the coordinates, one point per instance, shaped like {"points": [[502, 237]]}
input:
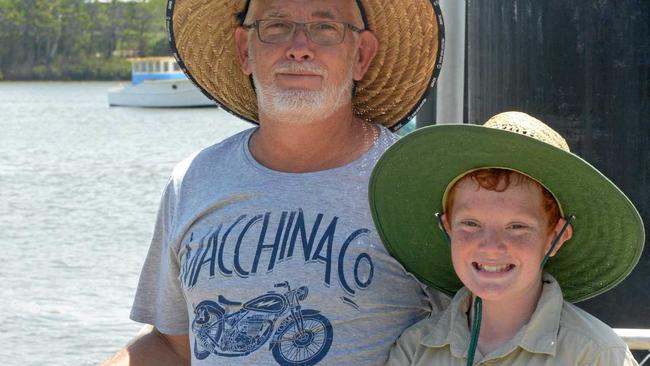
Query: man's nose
{"points": [[300, 49]]}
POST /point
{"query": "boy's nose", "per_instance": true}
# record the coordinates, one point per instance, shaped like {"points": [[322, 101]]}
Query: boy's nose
{"points": [[492, 241]]}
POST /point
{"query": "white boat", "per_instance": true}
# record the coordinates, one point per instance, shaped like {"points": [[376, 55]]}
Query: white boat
{"points": [[157, 82]]}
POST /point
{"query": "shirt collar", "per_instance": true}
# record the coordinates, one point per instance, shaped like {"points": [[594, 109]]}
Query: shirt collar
{"points": [[539, 335], [452, 328], [541, 332]]}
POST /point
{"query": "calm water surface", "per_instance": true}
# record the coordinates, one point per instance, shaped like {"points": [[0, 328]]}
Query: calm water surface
{"points": [[79, 188]]}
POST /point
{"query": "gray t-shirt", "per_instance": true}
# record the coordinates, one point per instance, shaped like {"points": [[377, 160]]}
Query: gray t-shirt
{"points": [[262, 267]]}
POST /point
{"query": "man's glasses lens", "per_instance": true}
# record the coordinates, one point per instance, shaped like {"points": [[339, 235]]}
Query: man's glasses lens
{"points": [[323, 33]]}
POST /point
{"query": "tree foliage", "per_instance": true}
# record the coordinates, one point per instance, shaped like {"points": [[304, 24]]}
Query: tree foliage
{"points": [[78, 39]]}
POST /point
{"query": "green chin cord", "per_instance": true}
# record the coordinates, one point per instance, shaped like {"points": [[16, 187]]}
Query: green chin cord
{"points": [[476, 330], [557, 238], [478, 306], [478, 303], [438, 216]]}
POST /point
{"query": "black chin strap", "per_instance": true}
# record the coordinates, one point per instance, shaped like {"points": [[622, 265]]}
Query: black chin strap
{"points": [[364, 17]]}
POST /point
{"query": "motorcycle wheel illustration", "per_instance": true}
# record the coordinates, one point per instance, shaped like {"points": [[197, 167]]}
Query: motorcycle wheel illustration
{"points": [[208, 324], [294, 348]]}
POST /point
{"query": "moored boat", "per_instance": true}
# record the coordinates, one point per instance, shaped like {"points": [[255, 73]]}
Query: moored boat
{"points": [[157, 82]]}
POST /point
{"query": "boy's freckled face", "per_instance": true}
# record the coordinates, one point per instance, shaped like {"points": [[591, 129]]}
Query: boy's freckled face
{"points": [[499, 240]]}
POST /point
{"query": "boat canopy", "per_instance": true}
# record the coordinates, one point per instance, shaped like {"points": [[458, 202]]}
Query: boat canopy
{"points": [[155, 68]]}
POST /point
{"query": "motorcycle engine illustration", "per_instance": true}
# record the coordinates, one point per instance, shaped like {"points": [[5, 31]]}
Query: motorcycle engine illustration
{"points": [[247, 335]]}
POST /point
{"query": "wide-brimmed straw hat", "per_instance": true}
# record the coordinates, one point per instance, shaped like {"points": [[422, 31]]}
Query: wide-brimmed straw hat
{"points": [[408, 60], [410, 181]]}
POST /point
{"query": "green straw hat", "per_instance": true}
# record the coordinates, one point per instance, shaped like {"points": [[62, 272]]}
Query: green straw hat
{"points": [[408, 185]]}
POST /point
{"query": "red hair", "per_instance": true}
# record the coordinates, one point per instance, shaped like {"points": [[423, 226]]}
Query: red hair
{"points": [[498, 180]]}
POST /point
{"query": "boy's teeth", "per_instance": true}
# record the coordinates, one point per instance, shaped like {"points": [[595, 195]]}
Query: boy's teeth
{"points": [[493, 268]]}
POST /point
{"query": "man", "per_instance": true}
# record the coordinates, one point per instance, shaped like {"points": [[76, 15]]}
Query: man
{"points": [[264, 250]]}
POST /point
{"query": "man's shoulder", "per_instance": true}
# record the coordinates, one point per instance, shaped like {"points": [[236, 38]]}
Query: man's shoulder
{"points": [[222, 151]]}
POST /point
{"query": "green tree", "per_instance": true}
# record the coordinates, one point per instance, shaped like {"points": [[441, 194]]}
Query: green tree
{"points": [[63, 39]]}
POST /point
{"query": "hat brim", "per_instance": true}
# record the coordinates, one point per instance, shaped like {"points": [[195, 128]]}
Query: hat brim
{"points": [[407, 63], [408, 183]]}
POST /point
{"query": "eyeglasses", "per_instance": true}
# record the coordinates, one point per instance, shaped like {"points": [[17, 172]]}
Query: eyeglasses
{"points": [[324, 33]]}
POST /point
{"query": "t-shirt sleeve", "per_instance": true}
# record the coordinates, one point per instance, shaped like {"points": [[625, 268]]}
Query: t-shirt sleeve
{"points": [[159, 297]]}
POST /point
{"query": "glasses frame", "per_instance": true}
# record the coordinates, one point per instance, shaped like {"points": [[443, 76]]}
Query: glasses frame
{"points": [[305, 26]]}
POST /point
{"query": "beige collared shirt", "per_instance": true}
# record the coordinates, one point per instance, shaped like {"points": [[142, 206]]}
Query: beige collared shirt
{"points": [[558, 333]]}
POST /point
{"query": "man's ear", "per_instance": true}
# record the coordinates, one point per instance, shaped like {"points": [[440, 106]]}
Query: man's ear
{"points": [[366, 51], [566, 235], [241, 45]]}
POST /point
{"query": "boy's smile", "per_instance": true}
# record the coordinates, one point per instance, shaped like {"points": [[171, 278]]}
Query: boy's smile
{"points": [[499, 239]]}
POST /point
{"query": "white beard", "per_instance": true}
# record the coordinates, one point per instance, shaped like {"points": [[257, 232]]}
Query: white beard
{"points": [[302, 106]]}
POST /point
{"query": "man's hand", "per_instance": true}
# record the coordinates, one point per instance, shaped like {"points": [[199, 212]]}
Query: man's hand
{"points": [[150, 347]]}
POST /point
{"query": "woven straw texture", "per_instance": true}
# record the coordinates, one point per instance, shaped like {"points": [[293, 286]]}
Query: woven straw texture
{"points": [[407, 62], [526, 125]]}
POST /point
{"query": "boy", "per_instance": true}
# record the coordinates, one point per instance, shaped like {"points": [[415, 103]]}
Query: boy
{"points": [[532, 228]]}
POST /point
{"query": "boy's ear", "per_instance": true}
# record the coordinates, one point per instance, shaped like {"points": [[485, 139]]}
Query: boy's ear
{"points": [[566, 235], [445, 222]]}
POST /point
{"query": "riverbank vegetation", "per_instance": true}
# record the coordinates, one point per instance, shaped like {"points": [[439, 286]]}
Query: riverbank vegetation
{"points": [[78, 39]]}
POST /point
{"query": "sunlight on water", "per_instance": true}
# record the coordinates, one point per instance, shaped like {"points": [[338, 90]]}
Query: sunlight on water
{"points": [[79, 188]]}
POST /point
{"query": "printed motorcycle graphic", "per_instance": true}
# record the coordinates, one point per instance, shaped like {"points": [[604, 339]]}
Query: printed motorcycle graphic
{"points": [[299, 337]]}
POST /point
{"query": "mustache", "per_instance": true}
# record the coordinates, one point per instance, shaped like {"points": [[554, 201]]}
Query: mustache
{"points": [[300, 67]]}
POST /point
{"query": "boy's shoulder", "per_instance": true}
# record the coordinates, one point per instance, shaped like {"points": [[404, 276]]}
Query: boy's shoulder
{"points": [[435, 329], [584, 339], [426, 326], [580, 325]]}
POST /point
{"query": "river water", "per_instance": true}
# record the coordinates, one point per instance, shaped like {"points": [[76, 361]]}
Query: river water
{"points": [[79, 189]]}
